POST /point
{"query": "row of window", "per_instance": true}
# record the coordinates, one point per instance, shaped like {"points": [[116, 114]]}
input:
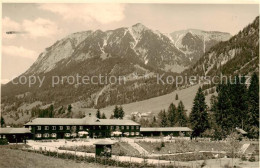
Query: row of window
{"points": [[81, 127], [2, 136], [67, 135], [60, 127]]}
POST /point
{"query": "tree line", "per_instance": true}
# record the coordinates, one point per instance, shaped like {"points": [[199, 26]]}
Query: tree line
{"points": [[235, 106]]}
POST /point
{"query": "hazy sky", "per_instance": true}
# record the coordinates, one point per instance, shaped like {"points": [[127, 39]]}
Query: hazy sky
{"points": [[46, 23]]}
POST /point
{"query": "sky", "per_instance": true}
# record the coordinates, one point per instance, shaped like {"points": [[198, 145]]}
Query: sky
{"points": [[43, 24]]}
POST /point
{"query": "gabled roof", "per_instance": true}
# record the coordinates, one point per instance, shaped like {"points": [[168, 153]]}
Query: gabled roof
{"points": [[14, 130], [55, 121], [165, 129], [82, 121]]}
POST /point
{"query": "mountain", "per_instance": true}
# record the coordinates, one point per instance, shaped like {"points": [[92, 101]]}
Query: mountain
{"points": [[194, 43], [238, 55], [137, 43], [137, 53]]}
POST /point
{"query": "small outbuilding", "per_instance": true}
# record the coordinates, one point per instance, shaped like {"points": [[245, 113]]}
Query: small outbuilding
{"points": [[15, 135], [104, 148]]}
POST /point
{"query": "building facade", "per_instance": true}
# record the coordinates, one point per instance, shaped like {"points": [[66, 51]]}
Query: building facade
{"points": [[59, 128], [15, 135], [165, 131]]}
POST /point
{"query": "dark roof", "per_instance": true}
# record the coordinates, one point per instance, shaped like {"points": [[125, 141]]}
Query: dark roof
{"points": [[165, 129], [104, 142], [14, 130], [82, 121]]}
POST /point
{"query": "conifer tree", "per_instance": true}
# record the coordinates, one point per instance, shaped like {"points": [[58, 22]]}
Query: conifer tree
{"points": [[181, 118], [171, 114], [176, 97], [199, 116], [224, 111], [163, 118], [103, 116], [98, 114], [253, 107], [121, 112], [116, 112]]}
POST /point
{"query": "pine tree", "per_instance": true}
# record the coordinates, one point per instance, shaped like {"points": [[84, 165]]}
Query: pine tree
{"points": [[199, 115], [224, 111], [103, 116], [116, 112], [2, 122], [121, 112], [181, 118], [69, 108], [253, 107], [111, 116], [163, 118], [176, 97], [51, 109], [98, 114], [171, 114], [238, 97], [154, 122]]}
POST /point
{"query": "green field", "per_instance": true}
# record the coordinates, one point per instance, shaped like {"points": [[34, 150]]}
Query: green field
{"points": [[11, 158]]}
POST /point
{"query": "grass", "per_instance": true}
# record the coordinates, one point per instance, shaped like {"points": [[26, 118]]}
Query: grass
{"points": [[161, 102], [119, 148], [21, 159], [182, 146]]}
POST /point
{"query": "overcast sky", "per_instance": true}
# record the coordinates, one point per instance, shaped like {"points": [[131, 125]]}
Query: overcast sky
{"points": [[47, 23]]}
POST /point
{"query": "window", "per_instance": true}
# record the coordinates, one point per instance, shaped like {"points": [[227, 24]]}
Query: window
{"points": [[38, 135], [61, 127], [68, 127], [0, 136], [67, 135], [30, 128], [39, 127], [117, 127], [127, 127], [46, 135], [132, 133], [4, 137], [53, 127], [74, 127], [137, 133], [80, 127], [53, 135], [46, 127], [133, 127]]}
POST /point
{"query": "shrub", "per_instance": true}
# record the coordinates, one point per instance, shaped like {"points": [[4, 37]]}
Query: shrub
{"points": [[243, 158], [158, 148], [162, 144], [3, 142], [252, 158]]}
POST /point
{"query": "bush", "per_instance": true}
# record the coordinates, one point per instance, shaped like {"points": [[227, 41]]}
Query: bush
{"points": [[158, 148], [162, 144], [243, 158], [3, 142], [252, 158]]}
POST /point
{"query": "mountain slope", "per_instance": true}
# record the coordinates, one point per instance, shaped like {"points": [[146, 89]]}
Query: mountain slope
{"points": [[194, 43], [239, 55]]}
